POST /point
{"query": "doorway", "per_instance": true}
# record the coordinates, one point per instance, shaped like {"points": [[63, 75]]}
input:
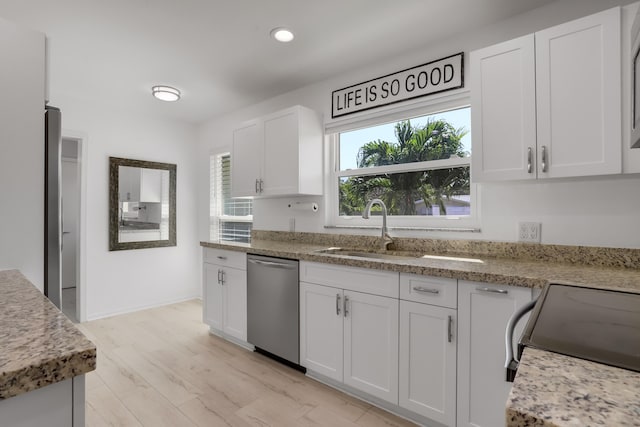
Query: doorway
{"points": [[71, 231]]}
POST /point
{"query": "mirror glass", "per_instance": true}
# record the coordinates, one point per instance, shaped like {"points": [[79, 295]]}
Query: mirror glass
{"points": [[142, 204]]}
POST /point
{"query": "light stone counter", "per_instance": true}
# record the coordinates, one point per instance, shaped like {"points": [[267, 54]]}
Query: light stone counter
{"points": [[38, 344], [510, 269], [555, 390]]}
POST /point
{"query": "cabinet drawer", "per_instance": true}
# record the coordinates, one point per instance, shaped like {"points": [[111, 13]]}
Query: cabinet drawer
{"points": [[439, 291], [225, 258], [376, 282]]}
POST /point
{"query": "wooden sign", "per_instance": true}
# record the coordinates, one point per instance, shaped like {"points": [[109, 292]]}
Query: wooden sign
{"points": [[433, 77]]}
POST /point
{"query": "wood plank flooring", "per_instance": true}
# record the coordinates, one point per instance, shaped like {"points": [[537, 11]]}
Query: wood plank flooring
{"points": [[161, 367]]}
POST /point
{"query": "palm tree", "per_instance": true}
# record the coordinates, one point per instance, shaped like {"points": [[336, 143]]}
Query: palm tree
{"points": [[437, 139]]}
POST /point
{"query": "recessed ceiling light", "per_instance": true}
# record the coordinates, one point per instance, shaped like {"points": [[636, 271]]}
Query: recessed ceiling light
{"points": [[282, 34], [165, 93]]}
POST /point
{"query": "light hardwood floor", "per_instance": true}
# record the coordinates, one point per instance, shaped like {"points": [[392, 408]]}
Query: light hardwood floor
{"points": [[161, 367]]}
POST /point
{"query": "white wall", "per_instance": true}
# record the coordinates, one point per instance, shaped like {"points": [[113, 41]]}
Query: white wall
{"points": [[599, 211], [22, 151], [122, 281]]}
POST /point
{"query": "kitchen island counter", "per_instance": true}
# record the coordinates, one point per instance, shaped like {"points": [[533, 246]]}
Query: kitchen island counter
{"points": [[39, 346], [554, 390]]}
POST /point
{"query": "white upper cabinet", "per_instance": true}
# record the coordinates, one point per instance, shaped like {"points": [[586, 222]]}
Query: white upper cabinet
{"points": [[548, 105], [279, 154], [578, 96], [503, 111]]}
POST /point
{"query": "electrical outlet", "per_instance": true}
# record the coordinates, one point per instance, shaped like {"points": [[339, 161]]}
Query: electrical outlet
{"points": [[292, 224], [529, 232]]}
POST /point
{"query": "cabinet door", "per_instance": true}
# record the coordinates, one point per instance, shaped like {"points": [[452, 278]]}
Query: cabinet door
{"points": [[578, 97], [428, 361], [234, 306], [483, 313], [371, 344], [280, 168], [246, 159], [212, 297], [321, 345], [503, 111]]}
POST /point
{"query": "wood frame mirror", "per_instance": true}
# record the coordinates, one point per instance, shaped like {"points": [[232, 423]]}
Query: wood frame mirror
{"points": [[142, 204]]}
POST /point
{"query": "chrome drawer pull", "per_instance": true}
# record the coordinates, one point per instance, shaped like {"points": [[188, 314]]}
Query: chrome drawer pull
{"points": [[493, 290], [346, 307], [450, 329], [222, 257], [426, 290], [529, 160], [338, 304]]}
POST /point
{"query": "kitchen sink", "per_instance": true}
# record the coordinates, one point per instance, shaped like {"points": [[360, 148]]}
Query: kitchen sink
{"points": [[366, 254]]}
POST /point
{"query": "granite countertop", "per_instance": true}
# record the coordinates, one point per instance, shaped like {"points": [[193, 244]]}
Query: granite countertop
{"points": [[480, 268], [554, 390], [38, 344]]}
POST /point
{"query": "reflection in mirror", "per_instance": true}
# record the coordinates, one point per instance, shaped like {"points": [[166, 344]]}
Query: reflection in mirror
{"points": [[142, 204]]}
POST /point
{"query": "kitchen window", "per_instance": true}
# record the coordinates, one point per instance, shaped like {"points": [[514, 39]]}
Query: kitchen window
{"points": [[419, 167], [230, 219]]}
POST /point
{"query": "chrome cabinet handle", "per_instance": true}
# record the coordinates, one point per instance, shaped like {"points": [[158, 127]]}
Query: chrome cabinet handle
{"points": [[257, 187], [345, 306], [224, 258], [426, 290], [544, 158], [338, 304], [529, 160], [219, 280], [450, 330], [261, 185], [222, 274], [493, 290]]}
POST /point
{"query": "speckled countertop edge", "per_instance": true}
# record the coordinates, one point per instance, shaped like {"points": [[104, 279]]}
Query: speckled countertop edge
{"points": [[514, 272], [554, 390], [38, 344]]}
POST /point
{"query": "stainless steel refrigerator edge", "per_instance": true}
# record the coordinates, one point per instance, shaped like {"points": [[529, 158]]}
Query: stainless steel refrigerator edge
{"points": [[273, 306], [52, 205]]}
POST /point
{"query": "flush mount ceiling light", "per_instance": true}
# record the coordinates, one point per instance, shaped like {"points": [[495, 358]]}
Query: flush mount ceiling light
{"points": [[282, 34], [165, 93]]}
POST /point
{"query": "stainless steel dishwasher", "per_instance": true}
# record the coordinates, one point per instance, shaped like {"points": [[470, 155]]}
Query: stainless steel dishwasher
{"points": [[273, 306]]}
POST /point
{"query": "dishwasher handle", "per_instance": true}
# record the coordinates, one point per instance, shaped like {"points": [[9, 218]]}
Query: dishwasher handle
{"points": [[272, 264]]}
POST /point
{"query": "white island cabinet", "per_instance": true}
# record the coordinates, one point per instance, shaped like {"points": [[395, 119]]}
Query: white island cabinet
{"points": [[548, 105], [225, 293], [483, 313], [278, 155], [349, 327]]}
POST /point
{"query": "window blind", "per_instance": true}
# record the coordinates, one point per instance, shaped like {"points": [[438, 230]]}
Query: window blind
{"points": [[230, 218]]}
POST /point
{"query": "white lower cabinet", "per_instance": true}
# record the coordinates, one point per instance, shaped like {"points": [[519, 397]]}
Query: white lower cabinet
{"points": [[483, 312], [321, 330], [350, 337], [225, 293], [371, 344], [428, 361]]}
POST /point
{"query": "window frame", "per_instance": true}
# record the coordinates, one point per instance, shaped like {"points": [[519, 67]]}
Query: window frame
{"points": [[419, 222], [216, 208]]}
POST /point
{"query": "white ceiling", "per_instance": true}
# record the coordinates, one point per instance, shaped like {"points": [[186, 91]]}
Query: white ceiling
{"points": [[219, 52]]}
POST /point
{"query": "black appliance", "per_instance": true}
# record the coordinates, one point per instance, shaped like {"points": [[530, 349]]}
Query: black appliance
{"points": [[600, 325]]}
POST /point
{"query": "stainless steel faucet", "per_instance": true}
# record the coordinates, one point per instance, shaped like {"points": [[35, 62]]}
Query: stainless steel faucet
{"points": [[386, 238]]}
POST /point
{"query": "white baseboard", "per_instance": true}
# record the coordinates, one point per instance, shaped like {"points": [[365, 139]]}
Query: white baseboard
{"points": [[141, 307]]}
